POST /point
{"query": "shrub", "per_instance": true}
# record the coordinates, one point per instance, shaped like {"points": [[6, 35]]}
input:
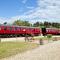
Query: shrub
{"points": [[49, 36]]}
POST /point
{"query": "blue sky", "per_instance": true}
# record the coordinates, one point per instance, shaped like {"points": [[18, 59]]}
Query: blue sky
{"points": [[10, 8], [30, 10]]}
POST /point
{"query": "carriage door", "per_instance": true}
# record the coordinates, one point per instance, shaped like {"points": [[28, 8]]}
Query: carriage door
{"points": [[44, 31]]}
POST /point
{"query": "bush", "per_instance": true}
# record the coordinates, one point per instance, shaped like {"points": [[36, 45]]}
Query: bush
{"points": [[49, 36]]}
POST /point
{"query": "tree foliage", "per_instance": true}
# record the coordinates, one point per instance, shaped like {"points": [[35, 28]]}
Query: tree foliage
{"points": [[37, 24], [47, 24], [21, 23], [5, 23]]}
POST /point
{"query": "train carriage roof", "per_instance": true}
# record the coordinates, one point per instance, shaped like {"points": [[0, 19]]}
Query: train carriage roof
{"points": [[17, 26]]}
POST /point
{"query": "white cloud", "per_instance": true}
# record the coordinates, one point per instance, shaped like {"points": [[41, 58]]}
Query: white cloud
{"points": [[24, 1], [47, 10], [52, 8], [8, 20], [2, 20], [30, 7]]}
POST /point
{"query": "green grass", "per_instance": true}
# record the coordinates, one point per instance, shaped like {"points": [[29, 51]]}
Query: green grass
{"points": [[12, 48], [43, 38]]}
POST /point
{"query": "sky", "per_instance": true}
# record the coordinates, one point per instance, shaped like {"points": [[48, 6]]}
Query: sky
{"points": [[29, 10]]}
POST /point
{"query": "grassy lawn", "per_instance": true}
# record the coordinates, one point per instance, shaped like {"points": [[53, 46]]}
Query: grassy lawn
{"points": [[53, 38], [12, 48], [45, 37], [39, 37]]}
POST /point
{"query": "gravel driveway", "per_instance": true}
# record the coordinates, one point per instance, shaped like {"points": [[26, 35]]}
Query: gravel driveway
{"points": [[50, 51]]}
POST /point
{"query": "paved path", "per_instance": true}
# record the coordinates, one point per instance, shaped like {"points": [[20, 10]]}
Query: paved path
{"points": [[50, 51]]}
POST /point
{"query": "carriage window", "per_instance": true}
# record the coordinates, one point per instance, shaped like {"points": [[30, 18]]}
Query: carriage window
{"points": [[34, 29], [29, 28], [15, 28], [5, 28], [20, 28], [10, 28]]}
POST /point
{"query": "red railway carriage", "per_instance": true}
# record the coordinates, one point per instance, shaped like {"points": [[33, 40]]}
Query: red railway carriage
{"points": [[59, 31], [18, 30], [6, 30], [33, 31], [53, 31]]}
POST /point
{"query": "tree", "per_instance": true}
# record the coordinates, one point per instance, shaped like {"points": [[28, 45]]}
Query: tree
{"points": [[41, 24], [26, 23], [46, 24], [5, 23], [56, 25], [37, 24], [21, 23]]}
